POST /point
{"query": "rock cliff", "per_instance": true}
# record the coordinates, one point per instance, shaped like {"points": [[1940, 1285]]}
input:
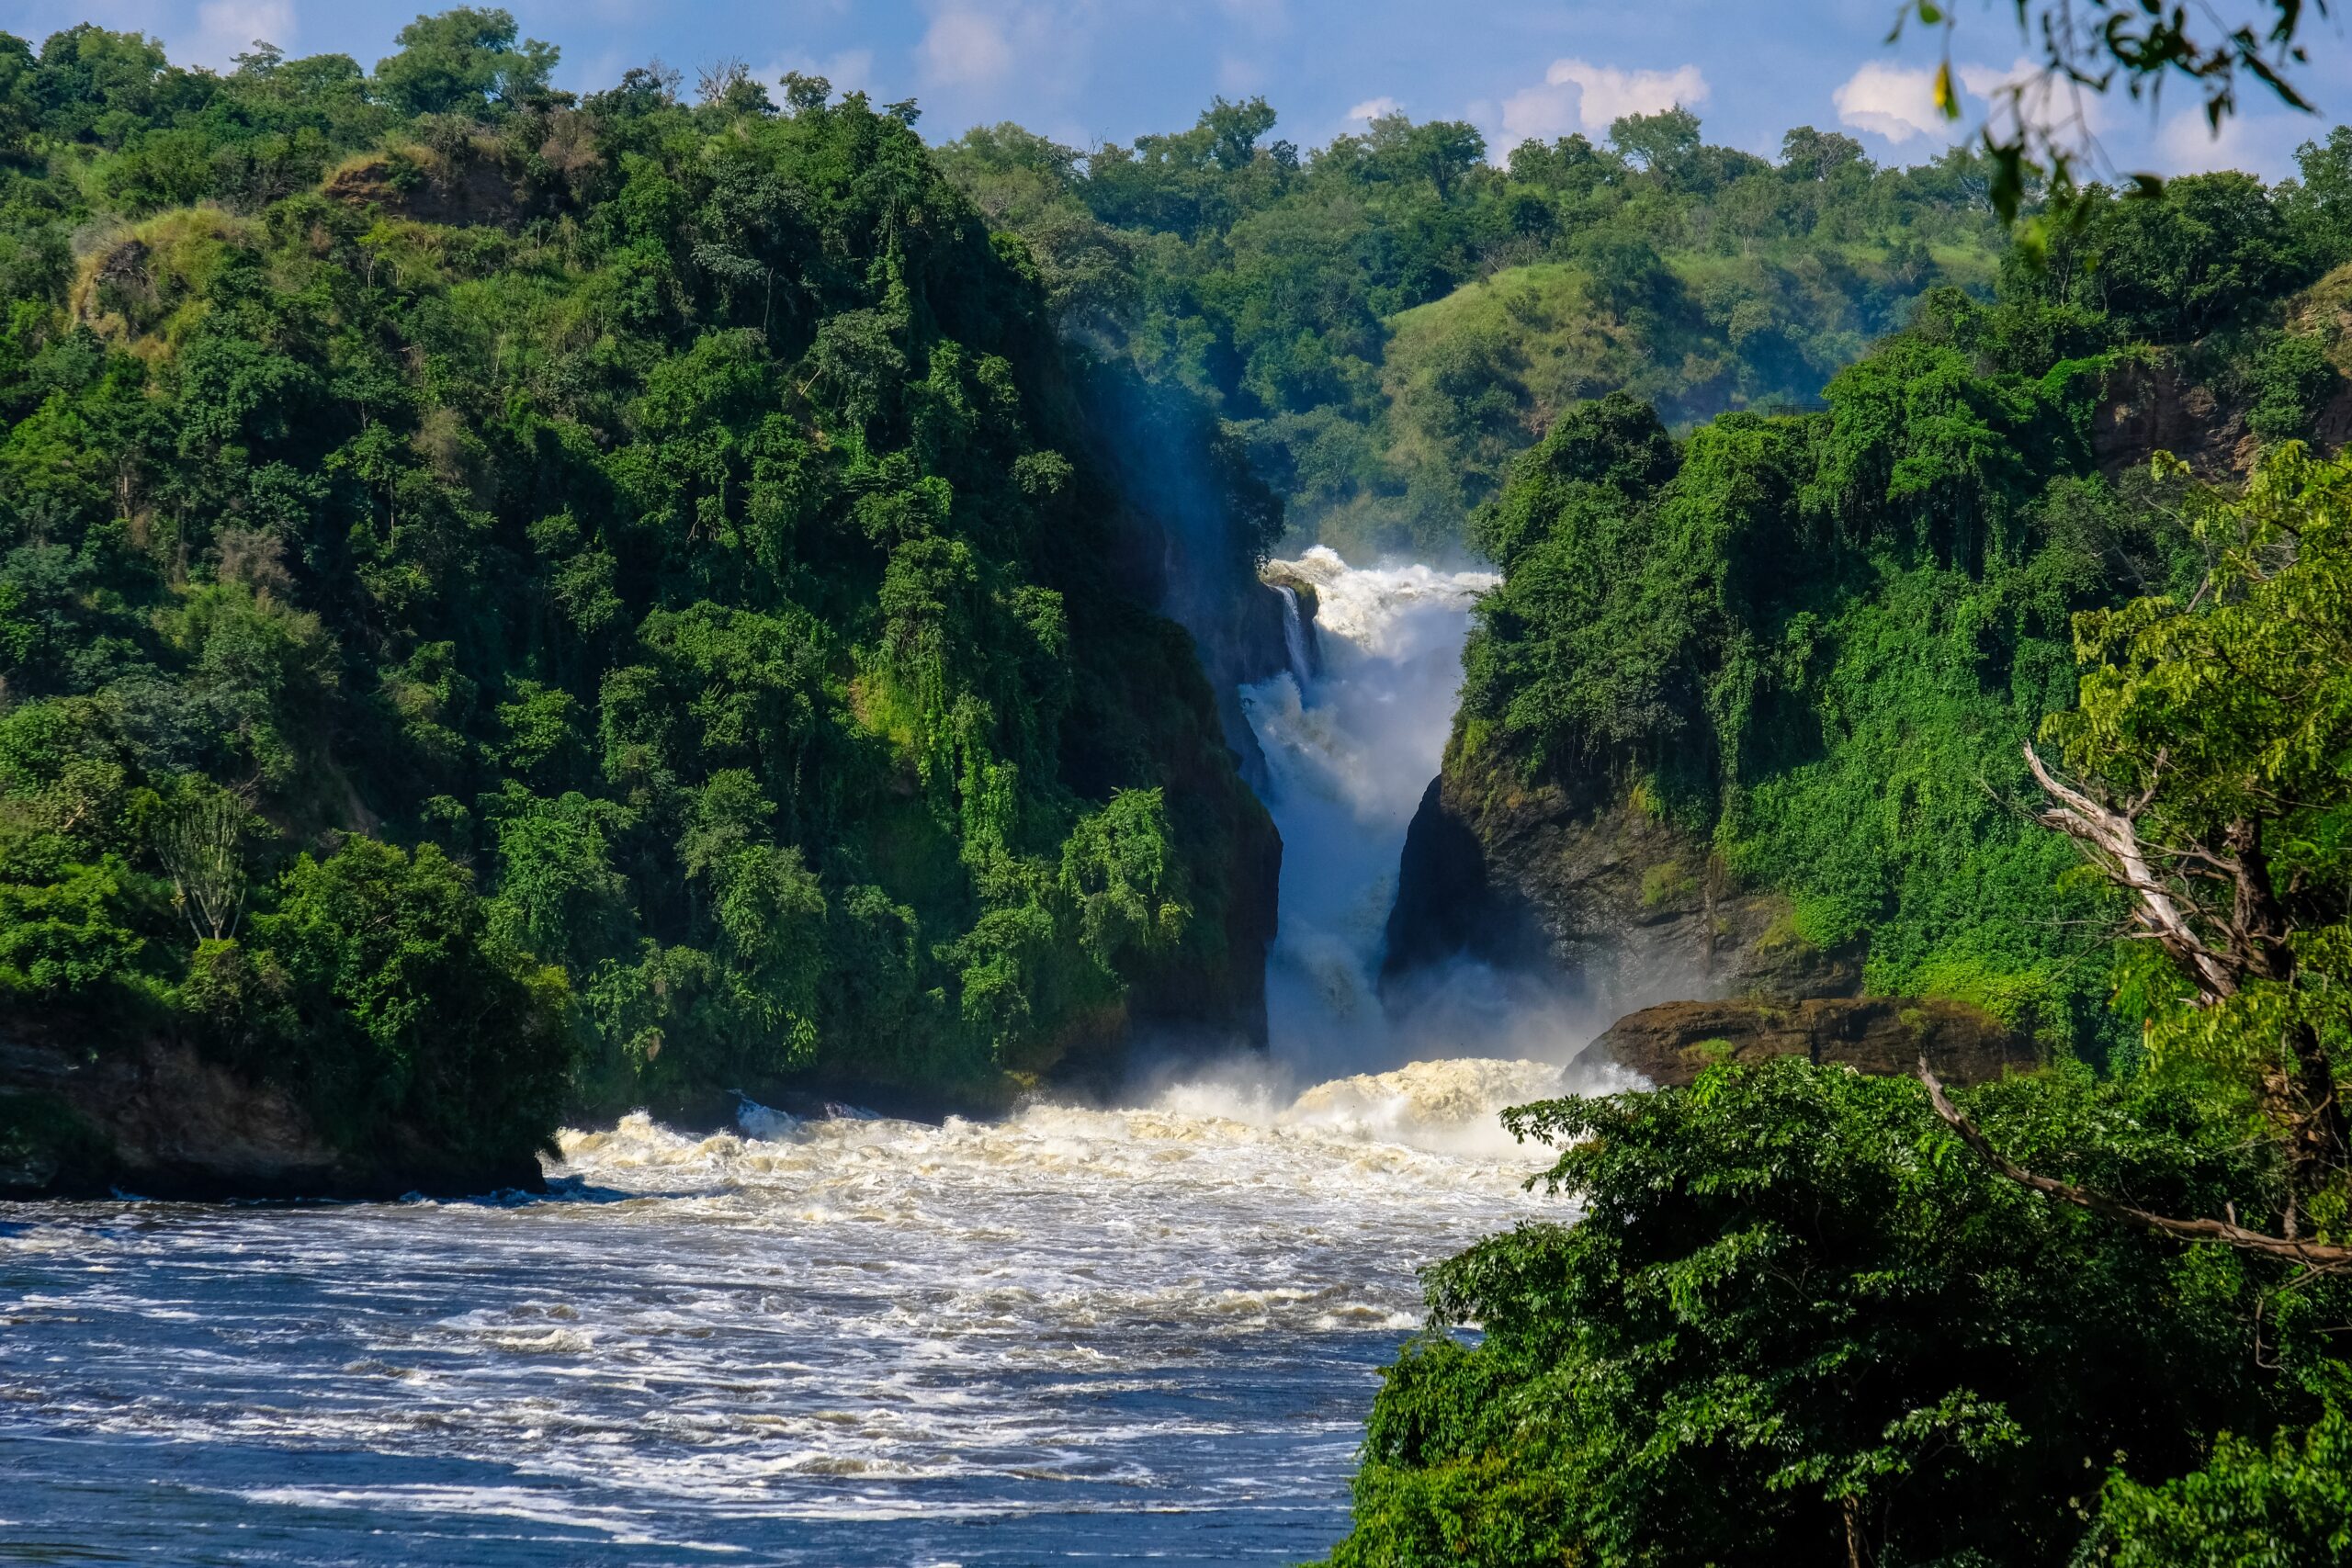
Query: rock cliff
{"points": [[1632, 916], [1626, 907], [1672, 1042], [155, 1118]]}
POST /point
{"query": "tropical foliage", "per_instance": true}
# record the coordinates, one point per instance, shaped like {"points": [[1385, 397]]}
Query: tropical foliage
{"points": [[1808, 1316], [1821, 641], [1797, 1321], [505, 596]]}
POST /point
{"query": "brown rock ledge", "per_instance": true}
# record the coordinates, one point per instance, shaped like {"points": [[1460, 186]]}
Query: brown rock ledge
{"points": [[1670, 1045], [153, 1117]]}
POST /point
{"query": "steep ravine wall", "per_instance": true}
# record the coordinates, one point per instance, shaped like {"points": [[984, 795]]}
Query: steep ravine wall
{"points": [[1632, 917], [103, 1110], [1625, 906]]}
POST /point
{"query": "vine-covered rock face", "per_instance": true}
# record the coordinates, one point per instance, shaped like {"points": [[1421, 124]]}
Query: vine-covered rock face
{"points": [[510, 600]]}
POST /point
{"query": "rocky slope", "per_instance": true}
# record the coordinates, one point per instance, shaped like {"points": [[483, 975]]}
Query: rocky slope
{"points": [[160, 1121], [1632, 917], [1627, 909]]}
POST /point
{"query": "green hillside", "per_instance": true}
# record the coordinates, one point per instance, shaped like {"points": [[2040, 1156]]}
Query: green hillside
{"points": [[510, 599], [1796, 1314]]}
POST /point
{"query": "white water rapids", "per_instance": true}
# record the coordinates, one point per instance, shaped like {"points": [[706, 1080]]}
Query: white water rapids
{"points": [[1147, 1331]]}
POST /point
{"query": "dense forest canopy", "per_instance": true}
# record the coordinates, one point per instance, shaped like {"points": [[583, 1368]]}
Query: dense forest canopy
{"points": [[508, 596], [1389, 320]]}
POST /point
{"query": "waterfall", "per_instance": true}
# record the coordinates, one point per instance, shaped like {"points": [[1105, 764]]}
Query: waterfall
{"points": [[1349, 749], [1294, 646]]}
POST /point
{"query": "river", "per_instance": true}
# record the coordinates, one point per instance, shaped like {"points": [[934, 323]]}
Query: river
{"points": [[1149, 1330]]}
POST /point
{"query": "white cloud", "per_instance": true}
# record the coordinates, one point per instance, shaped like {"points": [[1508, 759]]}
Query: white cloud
{"points": [[1578, 95], [965, 47], [1986, 80], [1606, 94], [1537, 114], [2258, 144], [2049, 100], [1896, 103], [1899, 102], [999, 59], [226, 29], [1376, 109]]}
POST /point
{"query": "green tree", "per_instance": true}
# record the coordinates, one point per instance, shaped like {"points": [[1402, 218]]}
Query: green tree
{"points": [[558, 893], [1796, 1321], [2208, 743], [20, 106], [2246, 1508], [1665, 143], [463, 58], [405, 1005]]}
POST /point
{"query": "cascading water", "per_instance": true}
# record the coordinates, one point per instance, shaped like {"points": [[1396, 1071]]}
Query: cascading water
{"points": [[1348, 753], [1295, 649], [1149, 1331], [1349, 749]]}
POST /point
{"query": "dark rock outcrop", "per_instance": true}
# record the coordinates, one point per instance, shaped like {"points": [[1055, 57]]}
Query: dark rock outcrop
{"points": [[475, 182], [2146, 408], [1629, 912], [1623, 907], [157, 1119], [1672, 1043], [1242, 639], [1446, 904], [1295, 588]]}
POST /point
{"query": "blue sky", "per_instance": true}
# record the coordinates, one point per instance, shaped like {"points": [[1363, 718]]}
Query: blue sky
{"points": [[1093, 71]]}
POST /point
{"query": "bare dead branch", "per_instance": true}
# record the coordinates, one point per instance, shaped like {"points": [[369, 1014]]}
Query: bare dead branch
{"points": [[2115, 839], [2315, 1255]]}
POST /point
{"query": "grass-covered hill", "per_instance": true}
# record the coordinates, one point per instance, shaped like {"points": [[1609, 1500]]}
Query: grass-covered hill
{"points": [[1387, 320], [509, 598]]}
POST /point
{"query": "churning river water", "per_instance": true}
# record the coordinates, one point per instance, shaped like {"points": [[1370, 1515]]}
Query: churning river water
{"points": [[1071, 1334], [1075, 1334]]}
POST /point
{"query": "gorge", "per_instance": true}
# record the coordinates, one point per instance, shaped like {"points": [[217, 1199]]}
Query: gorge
{"points": [[729, 831], [1145, 1326]]}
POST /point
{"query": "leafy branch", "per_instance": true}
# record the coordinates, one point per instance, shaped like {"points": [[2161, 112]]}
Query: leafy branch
{"points": [[2038, 137]]}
